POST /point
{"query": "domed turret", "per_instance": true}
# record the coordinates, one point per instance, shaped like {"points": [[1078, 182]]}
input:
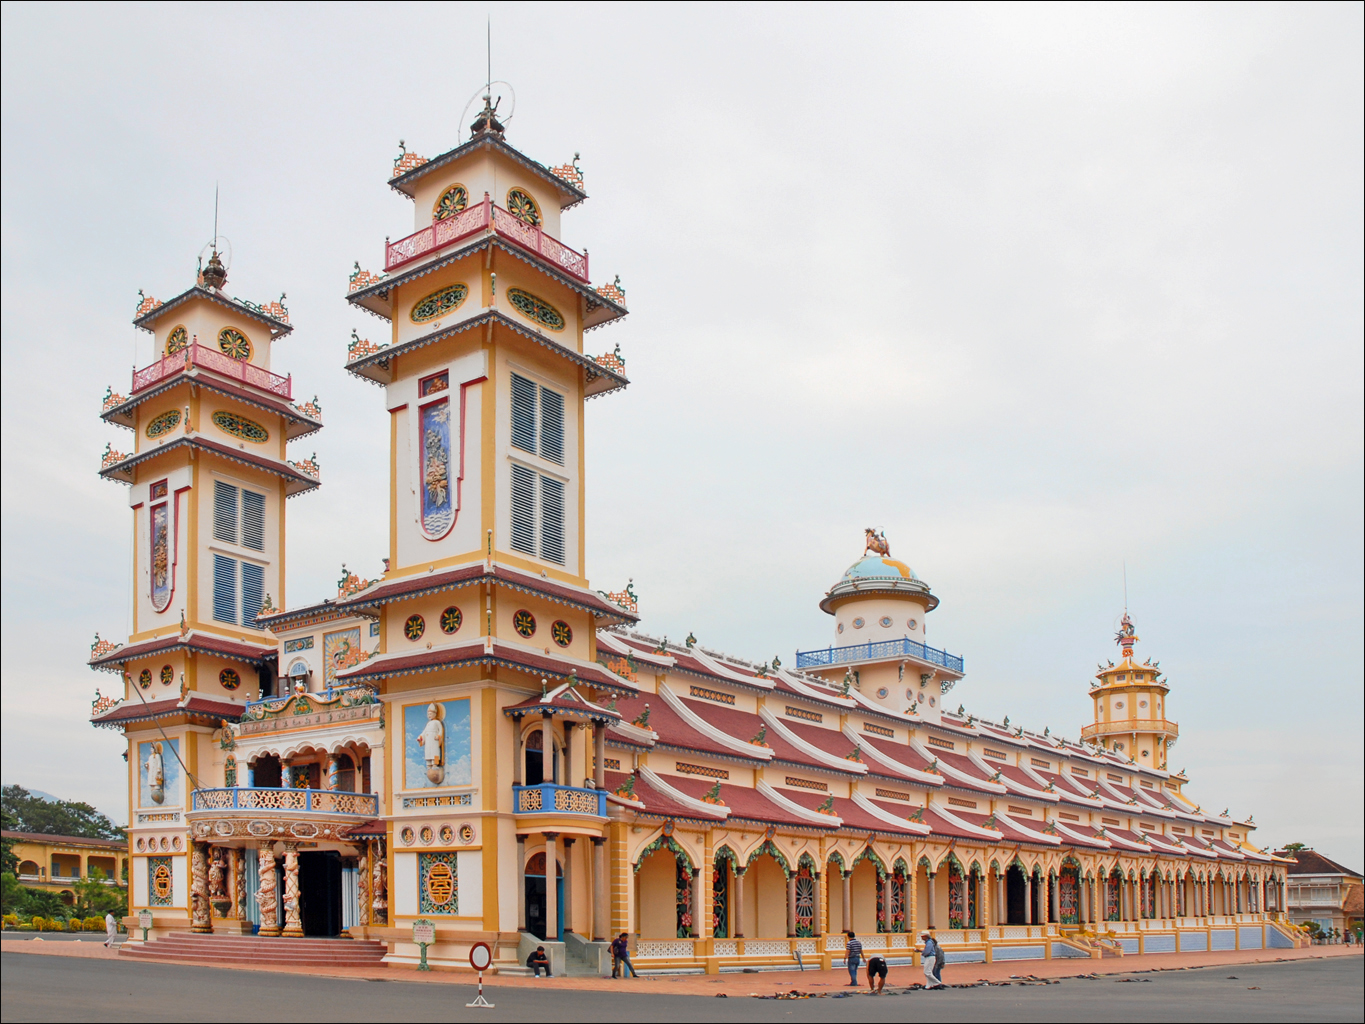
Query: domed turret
{"points": [[879, 606]]}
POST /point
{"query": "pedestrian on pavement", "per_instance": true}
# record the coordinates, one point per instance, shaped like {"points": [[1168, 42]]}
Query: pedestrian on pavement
{"points": [[110, 928], [538, 961], [876, 975], [620, 952], [933, 977], [853, 952]]}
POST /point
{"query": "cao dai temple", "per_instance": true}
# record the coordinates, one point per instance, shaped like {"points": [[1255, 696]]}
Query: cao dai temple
{"points": [[481, 740]]}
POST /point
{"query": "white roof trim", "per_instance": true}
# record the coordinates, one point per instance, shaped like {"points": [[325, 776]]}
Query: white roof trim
{"points": [[725, 672], [708, 730], [1036, 836], [948, 770], [917, 827], [830, 821], [949, 816], [842, 764], [890, 762], [717, 811]]}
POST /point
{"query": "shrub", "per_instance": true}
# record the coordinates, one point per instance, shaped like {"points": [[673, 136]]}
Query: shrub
{"points": [[38, 922], [11, 920], [94, 924]]}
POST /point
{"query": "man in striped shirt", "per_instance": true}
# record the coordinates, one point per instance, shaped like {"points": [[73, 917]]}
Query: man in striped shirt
{"points": [[853, 951]]}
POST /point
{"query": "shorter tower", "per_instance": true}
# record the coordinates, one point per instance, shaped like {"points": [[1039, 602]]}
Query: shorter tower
{"points": [[879, 606], [1130, 706]]}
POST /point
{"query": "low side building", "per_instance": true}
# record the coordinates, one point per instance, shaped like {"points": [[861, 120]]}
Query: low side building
{"points": [[1319, 890], [56, 863]]}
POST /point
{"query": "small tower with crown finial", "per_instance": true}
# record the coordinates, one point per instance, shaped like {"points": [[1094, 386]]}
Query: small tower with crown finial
{"points": [[1130, 706]]}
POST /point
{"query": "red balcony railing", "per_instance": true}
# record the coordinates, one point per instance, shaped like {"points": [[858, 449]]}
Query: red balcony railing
{"points": [[479, 218], [209, 359]]}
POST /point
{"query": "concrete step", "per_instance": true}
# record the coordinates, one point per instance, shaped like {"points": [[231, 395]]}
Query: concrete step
{"points": [[254, 949]]}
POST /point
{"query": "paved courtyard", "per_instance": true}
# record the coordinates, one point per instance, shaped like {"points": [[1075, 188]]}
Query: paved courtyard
{"points": [[98, 988]]}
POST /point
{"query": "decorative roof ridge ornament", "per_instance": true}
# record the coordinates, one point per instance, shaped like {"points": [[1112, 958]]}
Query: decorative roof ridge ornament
{"points": [[876, 543], [487, 123], [214, 275]]}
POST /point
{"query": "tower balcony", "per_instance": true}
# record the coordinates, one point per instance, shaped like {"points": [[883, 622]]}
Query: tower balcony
{"points": [[248, 814], [486, 216], [879, 650], [547, 798], [205, 358], [1128, 726]]}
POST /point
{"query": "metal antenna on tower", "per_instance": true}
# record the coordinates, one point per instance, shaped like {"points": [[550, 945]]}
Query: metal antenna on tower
{"points": [[489, 86], [215, 216], [1125, 586]]}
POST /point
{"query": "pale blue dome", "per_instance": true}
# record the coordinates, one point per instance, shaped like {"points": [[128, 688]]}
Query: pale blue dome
{"points": [[875, 567]]}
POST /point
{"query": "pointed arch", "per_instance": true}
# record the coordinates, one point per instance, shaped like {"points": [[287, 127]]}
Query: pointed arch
{"points": [[768, 846], [807, 861], [835, 857], [870, 854], [663, 843]]}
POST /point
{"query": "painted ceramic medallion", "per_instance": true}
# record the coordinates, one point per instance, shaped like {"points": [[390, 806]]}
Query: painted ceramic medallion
{"points": [[453, 200], [167, 675], [562, 632], [163, 424], [234, 344], [451, 619], [466, 833], [414, 627], [521, 206], [229, 679], [240, 426], [438, 505], [407, 835], [438, 303], [447, 835], [177, 341], [535, 308], [426, 835], [144, 678], [524, 623]]}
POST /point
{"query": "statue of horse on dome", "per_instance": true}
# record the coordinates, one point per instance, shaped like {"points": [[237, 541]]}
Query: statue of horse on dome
{"points": [[876, 543]]}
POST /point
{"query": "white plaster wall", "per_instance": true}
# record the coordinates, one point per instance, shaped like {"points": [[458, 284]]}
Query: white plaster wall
{"points": [[871, 610], [469, 871], [405, 884], [137, 875], [180, 880]]}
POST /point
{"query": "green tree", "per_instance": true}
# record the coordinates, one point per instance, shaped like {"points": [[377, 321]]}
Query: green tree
{"points": [[60, 817], [21, 900], [1294, 847], [93, 898]]}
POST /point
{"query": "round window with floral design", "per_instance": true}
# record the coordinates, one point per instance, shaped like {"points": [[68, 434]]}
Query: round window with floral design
{"points": [[562, 632], [1118, 704], [885, 621], [178, 340], [144, 678], [407, 835], [447, 835], [521, 206], [163, 423], [451, 619], [229, 679], [466, 833], [912, 624], [453, 200], [533, 307], [234, 344], [427, 834], [524, 623], [859, 623], [883, 693], [167, 675], [414, 627]]}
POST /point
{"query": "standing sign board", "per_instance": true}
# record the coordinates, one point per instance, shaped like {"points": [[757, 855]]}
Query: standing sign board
{"points": [[424, 934], [144, 921]]}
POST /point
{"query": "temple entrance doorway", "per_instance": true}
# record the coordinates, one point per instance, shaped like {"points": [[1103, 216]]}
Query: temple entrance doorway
{"points": [[535, 898], [535, 760], [1014, 894], [320, 893]]}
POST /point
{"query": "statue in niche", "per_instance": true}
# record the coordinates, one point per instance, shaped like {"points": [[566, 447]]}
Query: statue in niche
{"points": [[380, 902], [156, 772], [433, 743], [218, 895]]}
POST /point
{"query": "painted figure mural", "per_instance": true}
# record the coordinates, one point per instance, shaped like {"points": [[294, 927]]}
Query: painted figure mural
{"points": [[158, 769], [339, 650], [436, 743]]}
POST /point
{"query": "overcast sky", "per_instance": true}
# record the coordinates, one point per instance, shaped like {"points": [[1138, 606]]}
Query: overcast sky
{"points": [[1037, 290]]}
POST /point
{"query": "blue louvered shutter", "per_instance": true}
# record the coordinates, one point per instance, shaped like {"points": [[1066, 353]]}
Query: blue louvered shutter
{"points": [[551, 520], [523, 509], [253, 592], [253, 520], [225, 588], [523, 414], [224, 512], [552, 425]]}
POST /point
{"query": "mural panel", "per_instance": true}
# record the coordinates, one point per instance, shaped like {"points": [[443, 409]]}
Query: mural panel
{"points": [[438, 884], [160, 881], [161, 557], [438, 508], [339, 650], [158, 772], [436, 744]]}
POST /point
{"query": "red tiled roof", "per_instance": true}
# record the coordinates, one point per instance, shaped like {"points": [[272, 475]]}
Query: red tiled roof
{"points": [[195, 641], [475, 653], [1354, 903], [1008, 834], [1310, 862], [943, 827], [136, 711], [367, 829], [902, 752], [743, 802], [854, 817], [671, 729], [1125, 839], [246, 458], [830, 741], [479, 573], [657, 802], [566, 701], [962, 763], [1017, 775], [64, 840]]}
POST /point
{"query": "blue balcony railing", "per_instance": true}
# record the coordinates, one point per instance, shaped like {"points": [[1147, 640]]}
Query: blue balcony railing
{"points": [[877, 650], [310, 801], [548, 798]]}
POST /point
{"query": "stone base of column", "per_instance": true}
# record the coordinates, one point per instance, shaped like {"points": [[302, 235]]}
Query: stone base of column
{"points": [[293, 931], [272, 932]]}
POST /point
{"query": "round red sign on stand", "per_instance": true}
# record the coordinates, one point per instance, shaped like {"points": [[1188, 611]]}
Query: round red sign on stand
{"points": [[480, 958]]}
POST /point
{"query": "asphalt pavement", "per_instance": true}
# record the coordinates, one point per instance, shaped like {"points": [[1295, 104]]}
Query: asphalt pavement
{"points": [[41, 988]]}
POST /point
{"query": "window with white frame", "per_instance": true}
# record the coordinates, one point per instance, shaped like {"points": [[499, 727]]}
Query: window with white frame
{"points": [[238, 590], [238, 516]]}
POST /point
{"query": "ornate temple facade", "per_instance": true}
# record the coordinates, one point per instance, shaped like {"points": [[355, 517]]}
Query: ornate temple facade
{"points": [[479, 739]]}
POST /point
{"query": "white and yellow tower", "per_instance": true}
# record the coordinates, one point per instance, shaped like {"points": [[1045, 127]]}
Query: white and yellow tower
{"points": [[1130, 706]]}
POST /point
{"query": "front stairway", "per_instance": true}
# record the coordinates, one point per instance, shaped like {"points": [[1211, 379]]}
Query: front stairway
{"points": [[252, 950]]}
